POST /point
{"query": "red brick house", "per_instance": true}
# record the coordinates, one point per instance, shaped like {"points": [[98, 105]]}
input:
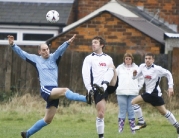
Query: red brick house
{"points": [[125, 28], [127, 25]]}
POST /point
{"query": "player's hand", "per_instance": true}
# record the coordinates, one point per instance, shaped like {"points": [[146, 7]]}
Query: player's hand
{"points": [[170, 92], [134, 72], [11, 40], [90, 97], [71, 39]]}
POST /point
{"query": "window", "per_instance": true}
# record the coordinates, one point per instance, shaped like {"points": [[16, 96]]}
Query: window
{"points": [[3, 36], [27, 35], [37, 37]]}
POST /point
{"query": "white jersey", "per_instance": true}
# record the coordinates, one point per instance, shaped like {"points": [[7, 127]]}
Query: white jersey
{"points": [[152, 76], [94, 68]]}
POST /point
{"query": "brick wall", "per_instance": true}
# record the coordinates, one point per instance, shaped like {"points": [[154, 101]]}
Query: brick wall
{"points": [[120, 37], [169, 9], [85, 7]]}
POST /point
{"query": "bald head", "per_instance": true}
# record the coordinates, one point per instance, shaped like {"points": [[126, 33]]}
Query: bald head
{"points": [[44, 50]]}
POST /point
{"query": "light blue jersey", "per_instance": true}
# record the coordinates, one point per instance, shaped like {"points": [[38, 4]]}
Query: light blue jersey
{"points": [[47, 68]]}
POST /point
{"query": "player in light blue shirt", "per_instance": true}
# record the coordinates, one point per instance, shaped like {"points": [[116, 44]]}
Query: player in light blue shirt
{"points": [[47, 68]]}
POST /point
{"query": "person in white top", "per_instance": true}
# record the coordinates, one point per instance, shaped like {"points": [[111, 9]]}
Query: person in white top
{"points": [[127, 89], [152, 74], [100, 79]]}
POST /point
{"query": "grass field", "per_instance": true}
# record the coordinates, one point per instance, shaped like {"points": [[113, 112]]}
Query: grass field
{"points": [[76, 121]]}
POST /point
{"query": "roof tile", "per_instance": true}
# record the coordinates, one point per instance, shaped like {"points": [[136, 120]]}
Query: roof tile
{"points": [[23, 12]]}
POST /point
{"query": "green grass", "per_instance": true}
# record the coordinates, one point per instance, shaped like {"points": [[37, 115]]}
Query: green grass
{"points": [[76, 121]]}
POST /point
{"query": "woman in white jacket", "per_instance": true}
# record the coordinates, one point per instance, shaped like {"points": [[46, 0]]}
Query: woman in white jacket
{"points": [[127, 89]]}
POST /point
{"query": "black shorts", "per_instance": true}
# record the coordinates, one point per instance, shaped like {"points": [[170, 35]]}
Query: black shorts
{"points": [[110, 89], [153, 99], [45, 93]]}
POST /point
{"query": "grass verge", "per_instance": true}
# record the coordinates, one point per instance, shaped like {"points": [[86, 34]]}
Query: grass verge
{"points": [[76, 121]]}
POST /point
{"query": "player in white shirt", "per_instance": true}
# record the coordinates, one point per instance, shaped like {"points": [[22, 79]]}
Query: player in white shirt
{"points": [[100, 77], [152, 75]]}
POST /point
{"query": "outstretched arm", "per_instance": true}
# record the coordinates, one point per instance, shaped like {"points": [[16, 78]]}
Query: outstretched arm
{"points": [[71, 39], [24, 55], [61, 49]]}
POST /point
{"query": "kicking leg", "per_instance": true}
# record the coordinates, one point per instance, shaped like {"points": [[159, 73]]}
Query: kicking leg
{"points": [[110, 79], [50, 112], [138, 114], [56, 93], [137, 111], [170, 117], [114, 79]]}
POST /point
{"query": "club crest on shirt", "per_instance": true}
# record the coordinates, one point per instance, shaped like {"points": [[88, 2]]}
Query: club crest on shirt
{"points": [[148, 77], [102, 64]]}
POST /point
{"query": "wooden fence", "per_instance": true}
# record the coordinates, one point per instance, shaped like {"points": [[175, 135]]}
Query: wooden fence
{"points": [[20, 76]]}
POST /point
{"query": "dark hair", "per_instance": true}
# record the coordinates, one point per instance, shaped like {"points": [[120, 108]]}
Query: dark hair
{"points": [[150, 54], [128, 55], [101, 40]]}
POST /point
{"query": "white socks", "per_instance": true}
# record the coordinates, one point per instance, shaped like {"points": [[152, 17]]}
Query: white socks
{"points": [[100, 125], [138, 113], [172, 119]]}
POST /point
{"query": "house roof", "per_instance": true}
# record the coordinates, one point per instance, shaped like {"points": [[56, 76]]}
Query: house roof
{"points": [[170, 35], [144, 14], [111, 6], [144, 26], [125, 14], [137, 22], [29, 13]]}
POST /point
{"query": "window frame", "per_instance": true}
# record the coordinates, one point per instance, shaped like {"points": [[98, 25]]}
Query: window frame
{"points": [[31, 30]]}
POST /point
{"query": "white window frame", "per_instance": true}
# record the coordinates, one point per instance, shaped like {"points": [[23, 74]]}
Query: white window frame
{"points": [[31, 30]]}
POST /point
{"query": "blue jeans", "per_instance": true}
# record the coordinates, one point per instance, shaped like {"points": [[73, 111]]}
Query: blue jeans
{"points": [[125, 106]]}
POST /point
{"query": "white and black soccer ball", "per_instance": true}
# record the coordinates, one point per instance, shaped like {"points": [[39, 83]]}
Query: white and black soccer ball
{"points": [[52, 16]]}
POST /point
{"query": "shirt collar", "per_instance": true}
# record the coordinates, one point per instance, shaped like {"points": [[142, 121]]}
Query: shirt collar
{"points": [[152, 66], [95, 54]]}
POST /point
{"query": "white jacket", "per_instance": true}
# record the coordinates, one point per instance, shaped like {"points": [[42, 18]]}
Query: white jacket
{"points": [[127, 85]]}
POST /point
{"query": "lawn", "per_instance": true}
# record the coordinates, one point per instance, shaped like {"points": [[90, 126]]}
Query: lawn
{"points": [[76, 121]]}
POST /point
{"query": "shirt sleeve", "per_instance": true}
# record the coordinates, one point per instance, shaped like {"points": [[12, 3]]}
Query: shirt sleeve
{"points": [[140, 82], [139, 72], [165, 73], [24, 55], [86, 73], [60, 50]]}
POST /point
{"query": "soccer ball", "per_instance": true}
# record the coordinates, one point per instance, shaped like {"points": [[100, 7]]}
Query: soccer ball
{"points": [[52, 16]]}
